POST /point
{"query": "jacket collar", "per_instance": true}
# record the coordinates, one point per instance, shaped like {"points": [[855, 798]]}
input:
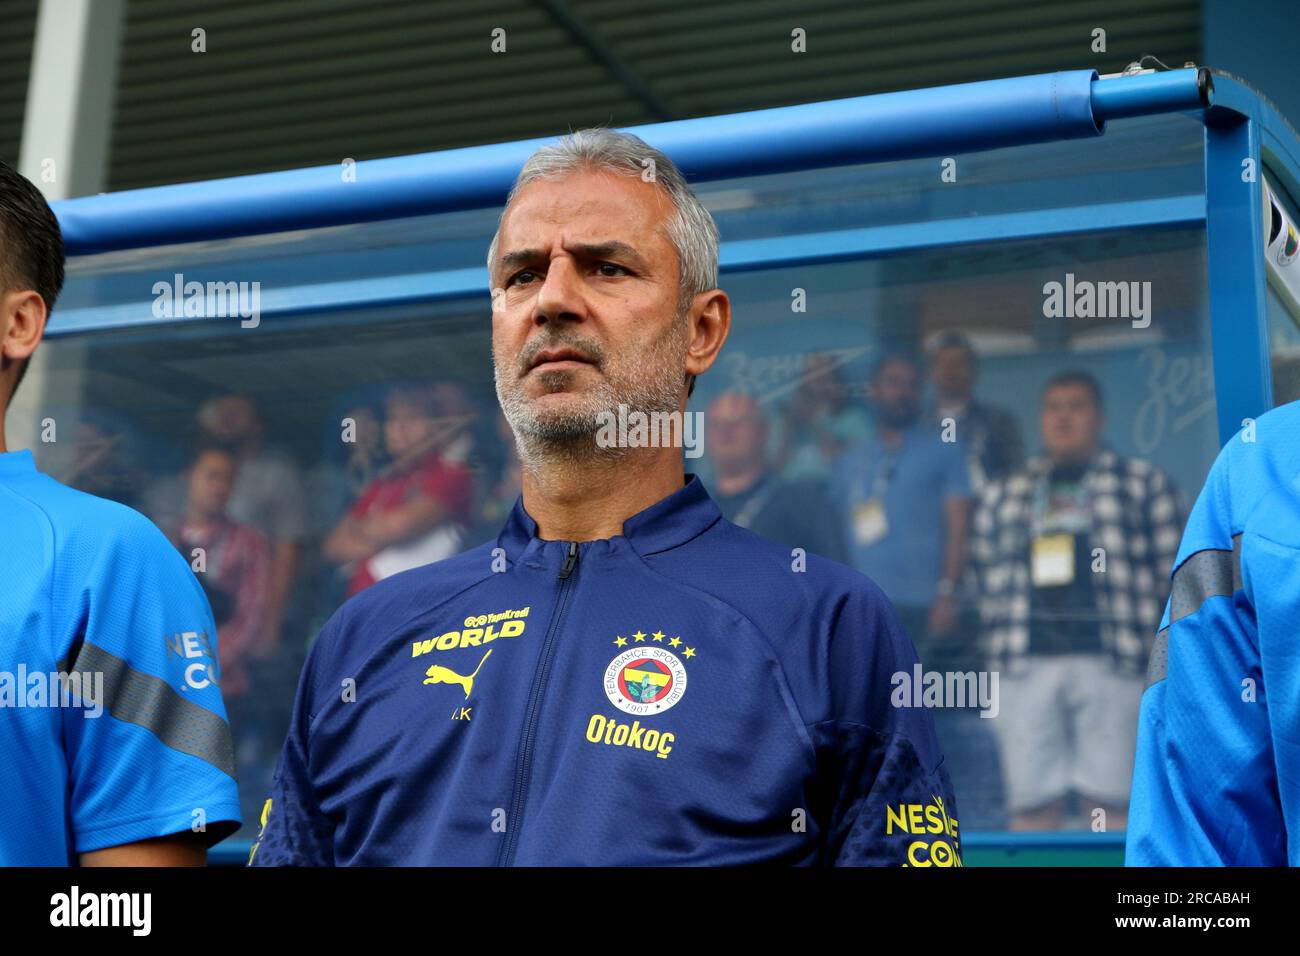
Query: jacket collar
{"points": [[668, 523]]}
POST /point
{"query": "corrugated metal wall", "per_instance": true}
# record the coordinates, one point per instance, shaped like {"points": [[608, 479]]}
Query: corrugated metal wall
{"points": [[17, 30]]}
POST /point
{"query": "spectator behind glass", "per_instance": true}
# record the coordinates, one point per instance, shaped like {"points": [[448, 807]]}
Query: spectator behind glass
{"points": [[232, 565], [269, 495], [456, 420], [1073, 554], [906, 495], [354, 456], [989, 435], [992, 446], [366, 454], [819, 423], [906, 501], [414, 512], [796, 513]]}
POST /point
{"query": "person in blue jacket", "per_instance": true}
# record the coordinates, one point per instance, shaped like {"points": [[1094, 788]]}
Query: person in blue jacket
{"points": [[1217, 775], [621, 677], [113, 737]]}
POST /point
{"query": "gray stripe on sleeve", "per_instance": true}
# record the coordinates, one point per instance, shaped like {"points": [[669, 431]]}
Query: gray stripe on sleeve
{"points": [[1158, 665], [1206, 574], [150, 702], [1213, 572], [1236, 563]]}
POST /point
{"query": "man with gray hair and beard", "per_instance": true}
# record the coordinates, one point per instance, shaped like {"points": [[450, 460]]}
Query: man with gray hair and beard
{"points": [[621, 676]]}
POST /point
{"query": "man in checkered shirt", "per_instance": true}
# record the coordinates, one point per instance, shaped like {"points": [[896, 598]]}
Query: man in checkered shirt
{"points": [[1073, 554]]}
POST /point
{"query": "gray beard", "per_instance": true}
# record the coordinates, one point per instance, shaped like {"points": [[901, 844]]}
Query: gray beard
{"points": [[569, 436]]}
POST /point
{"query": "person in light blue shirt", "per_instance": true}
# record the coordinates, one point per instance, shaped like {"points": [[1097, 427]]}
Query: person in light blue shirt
{"points": [[906, 497], [113, 737]]}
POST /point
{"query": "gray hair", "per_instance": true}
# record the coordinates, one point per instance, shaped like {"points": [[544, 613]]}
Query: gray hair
{"points": [[690, 229]]}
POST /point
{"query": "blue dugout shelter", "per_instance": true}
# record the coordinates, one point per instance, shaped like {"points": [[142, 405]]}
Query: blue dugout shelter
{"points": [[844, 224]]}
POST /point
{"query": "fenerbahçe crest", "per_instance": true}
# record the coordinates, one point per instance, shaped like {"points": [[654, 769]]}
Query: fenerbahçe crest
{"points": [[645, 680]]}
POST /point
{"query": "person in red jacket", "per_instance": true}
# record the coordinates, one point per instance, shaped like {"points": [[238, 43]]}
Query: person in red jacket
{"points": [[414, 512]]}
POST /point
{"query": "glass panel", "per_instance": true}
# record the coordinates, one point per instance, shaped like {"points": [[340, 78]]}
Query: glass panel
{"points": [[830, 437]]}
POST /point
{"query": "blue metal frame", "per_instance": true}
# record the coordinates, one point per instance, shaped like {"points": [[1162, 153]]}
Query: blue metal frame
{"points": [[963, 118], [966, 117], [1244, 136], [1143, 94]]}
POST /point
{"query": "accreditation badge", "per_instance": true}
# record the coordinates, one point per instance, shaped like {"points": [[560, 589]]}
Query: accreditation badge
{"points": [[1053, 560], [869, 522]]}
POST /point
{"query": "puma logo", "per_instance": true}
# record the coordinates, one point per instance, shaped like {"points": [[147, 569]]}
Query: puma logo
{"points": [[437, 674]]}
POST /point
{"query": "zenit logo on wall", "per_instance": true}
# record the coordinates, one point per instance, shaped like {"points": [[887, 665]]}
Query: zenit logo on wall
{"points": [[645, 680]]}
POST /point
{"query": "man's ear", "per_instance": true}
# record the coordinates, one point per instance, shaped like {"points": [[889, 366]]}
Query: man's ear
{"points": [[22, 324], [710, 324]]}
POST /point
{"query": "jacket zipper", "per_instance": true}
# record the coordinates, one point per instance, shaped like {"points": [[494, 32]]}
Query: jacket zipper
{"points": [[523, 766]]}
